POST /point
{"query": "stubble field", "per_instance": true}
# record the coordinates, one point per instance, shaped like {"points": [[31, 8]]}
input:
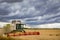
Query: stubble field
{"points": [[45, 34]]}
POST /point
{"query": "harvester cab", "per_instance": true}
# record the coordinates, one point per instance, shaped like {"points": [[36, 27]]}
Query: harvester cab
{"points": [[18, 26]]}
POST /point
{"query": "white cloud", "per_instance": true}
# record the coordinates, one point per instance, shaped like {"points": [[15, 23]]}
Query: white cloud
{"points": [[52, 25]]}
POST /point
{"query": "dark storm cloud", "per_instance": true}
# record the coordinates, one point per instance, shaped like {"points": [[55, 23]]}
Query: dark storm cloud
{"points": [[4, 12], [32, 12], [11, 1]]}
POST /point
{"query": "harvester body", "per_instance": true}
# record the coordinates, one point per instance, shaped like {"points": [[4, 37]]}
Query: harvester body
{"points": [[20, 30]]}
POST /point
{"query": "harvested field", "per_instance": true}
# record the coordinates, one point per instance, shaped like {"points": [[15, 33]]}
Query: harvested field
{"points": [[45, 34]]}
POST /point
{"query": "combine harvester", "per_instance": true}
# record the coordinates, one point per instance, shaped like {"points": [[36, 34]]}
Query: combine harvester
{"points": [[20, 30]]}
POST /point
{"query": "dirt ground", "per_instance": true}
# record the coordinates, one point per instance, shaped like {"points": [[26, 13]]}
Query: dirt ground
{"points": [[45, 34]]}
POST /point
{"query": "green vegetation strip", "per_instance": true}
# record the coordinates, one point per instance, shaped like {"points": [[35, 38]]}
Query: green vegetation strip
{"points": [[43, 28]]}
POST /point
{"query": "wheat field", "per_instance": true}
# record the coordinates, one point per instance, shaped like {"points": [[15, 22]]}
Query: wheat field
{"points": [[45, 34]]}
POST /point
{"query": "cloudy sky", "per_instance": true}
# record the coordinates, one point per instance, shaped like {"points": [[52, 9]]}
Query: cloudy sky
{"points": [[31, 12]]}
